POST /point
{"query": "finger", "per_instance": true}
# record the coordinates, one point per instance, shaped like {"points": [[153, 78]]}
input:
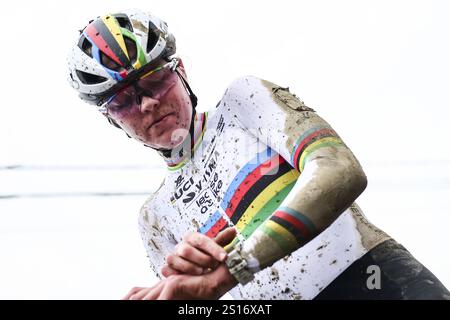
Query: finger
{"points": [[131, 292], [140, 294], [182, 265], [143, 291], [155, 292], [170, 291], [167, 271], [225, 236], [165, 294], [194, 255], [207, 245]]}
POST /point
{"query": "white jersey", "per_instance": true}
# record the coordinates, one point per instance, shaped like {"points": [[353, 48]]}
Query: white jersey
{"points": [[244, 167]]}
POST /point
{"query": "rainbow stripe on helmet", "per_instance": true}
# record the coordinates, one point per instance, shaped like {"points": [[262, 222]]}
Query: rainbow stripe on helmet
{"points": [[107, 37]]}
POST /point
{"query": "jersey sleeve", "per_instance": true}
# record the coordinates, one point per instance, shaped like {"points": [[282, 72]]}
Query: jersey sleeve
{"points": [[330, 177], [157, 239]]}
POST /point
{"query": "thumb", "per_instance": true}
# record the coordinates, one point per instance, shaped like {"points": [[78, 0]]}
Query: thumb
{"points": [[226, 236]]}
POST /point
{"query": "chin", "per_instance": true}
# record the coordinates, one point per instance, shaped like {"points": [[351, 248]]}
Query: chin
{"points": [[166, 142]]}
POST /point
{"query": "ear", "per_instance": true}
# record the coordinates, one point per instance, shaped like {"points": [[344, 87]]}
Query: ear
{"points": [[111, 121], [181, 68]]}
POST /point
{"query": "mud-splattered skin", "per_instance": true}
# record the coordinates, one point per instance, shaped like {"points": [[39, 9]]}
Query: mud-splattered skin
{"points": [[140, 120], [273, 168]]}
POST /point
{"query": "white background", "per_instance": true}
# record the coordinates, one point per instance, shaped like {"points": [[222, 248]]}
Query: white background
{"points": [[377, 71]]}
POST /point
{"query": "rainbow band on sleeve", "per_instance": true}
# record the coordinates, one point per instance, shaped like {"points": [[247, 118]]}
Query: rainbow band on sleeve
{"points": [[288, 228], [310, 141]]}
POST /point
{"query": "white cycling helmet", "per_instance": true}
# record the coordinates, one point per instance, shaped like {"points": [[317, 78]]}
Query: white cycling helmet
{"points": [[116, 49]]}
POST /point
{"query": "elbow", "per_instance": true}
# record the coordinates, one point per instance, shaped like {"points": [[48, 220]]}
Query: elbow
{"points": [[331, 183], [339, 173], [354, 181], [363, 181], [359, 179]]}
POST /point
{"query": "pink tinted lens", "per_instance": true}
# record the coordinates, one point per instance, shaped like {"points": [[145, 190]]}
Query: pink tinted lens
{"points": [[157, 84], [122, 101]]}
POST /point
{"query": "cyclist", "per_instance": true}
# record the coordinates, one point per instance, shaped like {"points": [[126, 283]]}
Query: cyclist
{"points": [[259, 196]]}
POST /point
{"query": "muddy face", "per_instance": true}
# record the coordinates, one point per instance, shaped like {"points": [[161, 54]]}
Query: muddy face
{"points": [[162, 123]]}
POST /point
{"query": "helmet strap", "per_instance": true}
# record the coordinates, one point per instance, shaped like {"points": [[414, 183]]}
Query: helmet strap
{"points": [[193, 97]]}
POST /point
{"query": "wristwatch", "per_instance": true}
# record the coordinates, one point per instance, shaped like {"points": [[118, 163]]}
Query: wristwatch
{"points": [[237, 265]]}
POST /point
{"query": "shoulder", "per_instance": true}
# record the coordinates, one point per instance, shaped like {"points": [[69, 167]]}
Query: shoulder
{"points": [[255, 102], [246, 95], [244, 86], [252, 94], [250, 85]]}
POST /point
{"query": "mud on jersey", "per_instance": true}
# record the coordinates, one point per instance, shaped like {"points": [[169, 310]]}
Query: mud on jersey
{"points": [[245, 171]]}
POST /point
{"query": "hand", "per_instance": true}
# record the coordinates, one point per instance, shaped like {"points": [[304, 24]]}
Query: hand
{"points": [[209, 286], [198, 254]]}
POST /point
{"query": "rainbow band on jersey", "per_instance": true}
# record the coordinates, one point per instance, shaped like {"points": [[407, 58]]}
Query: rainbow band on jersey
{"points": [[254, 194], [311, 141], [216, 222], [266, 203], [199, 131]]}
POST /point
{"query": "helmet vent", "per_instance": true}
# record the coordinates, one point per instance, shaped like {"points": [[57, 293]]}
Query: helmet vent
{"points": [[109, 63], [89, 78], [85, 46], [131, 48], [153, 36], [124, 22]]}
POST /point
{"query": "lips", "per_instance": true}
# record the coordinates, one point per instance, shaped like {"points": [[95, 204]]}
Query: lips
{"points": [[159, 120]]}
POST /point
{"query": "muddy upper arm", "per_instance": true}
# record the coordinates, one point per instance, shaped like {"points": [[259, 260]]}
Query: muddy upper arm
{"points": [[281, 120]]}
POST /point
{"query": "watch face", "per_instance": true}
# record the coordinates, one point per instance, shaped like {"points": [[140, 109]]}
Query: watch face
{"points": [[234, 259], [237, 267]]}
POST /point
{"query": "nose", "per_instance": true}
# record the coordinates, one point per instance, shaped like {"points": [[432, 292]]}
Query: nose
{"points": [[148, 104]]}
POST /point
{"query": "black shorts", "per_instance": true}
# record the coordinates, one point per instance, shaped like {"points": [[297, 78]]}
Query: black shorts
{"points": [[388, 271]]}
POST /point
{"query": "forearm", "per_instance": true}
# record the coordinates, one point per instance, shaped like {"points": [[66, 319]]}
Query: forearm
{"points": [[330, 181]]}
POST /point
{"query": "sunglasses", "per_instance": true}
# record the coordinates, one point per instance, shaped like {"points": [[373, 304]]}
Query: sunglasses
{"points": [[154, 84]]}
